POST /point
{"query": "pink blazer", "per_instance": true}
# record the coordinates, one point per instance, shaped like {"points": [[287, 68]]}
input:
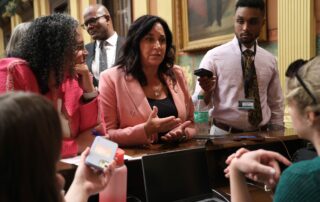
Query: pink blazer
{"points": [[16, 75], [126, 108]]}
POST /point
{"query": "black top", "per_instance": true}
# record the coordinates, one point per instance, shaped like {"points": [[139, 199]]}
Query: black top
{"points": [[166, 107]]}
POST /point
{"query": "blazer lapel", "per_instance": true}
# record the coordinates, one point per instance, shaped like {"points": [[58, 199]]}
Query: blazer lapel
{"points": [[177, 96], [137, 96]]}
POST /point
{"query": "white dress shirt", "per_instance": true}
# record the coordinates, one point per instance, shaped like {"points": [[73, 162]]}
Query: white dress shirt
{"points": [[225, 62]]}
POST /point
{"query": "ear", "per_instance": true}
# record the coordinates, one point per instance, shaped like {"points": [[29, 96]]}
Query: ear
{"points": [[312, 116]]}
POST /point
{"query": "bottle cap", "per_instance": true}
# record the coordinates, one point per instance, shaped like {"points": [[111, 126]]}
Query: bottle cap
{"points": [[120, 156], [200, 97]]}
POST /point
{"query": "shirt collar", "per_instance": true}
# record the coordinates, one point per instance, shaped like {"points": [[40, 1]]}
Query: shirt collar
{"points": [[112, 41], [235, 41]]}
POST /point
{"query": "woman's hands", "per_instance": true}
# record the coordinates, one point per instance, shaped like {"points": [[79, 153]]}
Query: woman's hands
{"points": [[237, 154], [155, 124], [84, 77], [177, 134], [176, 129], [88, 181], [259, 165]]}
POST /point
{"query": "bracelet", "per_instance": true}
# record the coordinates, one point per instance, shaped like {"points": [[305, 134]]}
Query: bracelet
{"points": [[91, 95]]}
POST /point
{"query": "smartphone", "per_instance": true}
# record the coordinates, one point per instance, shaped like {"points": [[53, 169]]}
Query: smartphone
{"points": [[203, 72], [102, 152], [256, 138]]}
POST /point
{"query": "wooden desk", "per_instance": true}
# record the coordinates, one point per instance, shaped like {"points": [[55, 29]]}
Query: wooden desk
{"points": [[223, 142], [218, 149], [284, 142]]}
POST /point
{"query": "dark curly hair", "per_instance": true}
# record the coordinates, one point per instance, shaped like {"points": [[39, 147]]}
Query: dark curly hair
{"points": [[258, 4], [48, 45], [130, 62]]}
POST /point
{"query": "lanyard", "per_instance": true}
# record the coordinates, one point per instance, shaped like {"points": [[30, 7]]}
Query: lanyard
{"points": [[248, 79]]}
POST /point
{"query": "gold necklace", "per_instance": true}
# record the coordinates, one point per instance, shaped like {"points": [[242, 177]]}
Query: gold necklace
{"points": [[157, 90]]}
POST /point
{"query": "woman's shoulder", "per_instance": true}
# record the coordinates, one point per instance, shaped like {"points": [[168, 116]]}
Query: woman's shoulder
{"points": [[178, 70], [304, 167], [115, 71], [300, 171], [15, 66], [11, 61], [300, 182]]}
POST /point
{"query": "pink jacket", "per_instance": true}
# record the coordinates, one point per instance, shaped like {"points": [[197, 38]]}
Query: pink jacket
{"points": [[16, 75], [126, 109]]}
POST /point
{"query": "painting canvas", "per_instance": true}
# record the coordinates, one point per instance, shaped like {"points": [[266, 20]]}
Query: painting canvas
{"points": [[207, 23]]}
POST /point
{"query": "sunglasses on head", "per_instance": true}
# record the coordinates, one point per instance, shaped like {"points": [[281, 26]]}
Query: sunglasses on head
{"points": [[293, 70]]}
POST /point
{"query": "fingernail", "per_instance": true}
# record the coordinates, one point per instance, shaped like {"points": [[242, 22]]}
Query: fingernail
{"points": [[272, 171]]}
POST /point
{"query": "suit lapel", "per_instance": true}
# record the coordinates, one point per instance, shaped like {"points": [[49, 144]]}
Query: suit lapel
{"points": [[91, 53], [120, 42], [137, 96], [177, 96]]}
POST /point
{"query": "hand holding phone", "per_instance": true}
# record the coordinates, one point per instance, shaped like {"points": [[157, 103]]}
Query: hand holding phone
{"points": [[207, 79], [102, 152], [203, 72]]}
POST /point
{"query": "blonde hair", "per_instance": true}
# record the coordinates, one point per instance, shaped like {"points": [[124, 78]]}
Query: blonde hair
{"points": [[18, 32], [309, 73]]}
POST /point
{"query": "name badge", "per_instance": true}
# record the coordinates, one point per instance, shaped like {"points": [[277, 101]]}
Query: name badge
{"points": [[246, 104]]}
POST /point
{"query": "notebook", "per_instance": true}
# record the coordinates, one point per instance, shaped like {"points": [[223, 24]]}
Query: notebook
{"points": [[177, 176]]}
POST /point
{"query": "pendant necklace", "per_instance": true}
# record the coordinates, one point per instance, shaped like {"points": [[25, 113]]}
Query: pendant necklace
{"points": [[157, 90]]}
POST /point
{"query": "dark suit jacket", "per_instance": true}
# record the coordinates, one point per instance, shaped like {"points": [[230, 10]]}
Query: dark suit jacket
{"points": [[91, 47]]}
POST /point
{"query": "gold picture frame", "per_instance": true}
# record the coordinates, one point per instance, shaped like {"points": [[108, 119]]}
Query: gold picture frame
{"points": [[206, 23]]}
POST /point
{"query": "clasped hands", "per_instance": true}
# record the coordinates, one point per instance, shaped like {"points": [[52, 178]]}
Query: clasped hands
{"points": [[177, 129], [259, 165]]}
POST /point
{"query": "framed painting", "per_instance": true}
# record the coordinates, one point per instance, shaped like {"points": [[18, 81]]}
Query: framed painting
{"points": [[206, 23]]}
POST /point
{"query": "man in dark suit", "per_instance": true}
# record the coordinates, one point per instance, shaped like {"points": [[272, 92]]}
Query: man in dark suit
{"points": [[104, 51]]}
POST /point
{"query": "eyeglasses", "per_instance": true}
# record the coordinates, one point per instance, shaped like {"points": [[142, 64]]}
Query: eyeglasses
{"points": [[292, 71], [93, 21]]}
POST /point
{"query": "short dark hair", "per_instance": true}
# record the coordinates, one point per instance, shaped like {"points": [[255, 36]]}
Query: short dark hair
{"points": [[258, 4], [49, 44], [130, 60], [30, 144]]}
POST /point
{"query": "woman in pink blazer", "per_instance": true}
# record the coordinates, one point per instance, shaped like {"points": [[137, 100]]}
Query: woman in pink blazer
{"points": [[145, 98]]}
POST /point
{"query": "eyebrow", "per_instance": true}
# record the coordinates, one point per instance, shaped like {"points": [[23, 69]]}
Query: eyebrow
{"points": [[254, 17]]}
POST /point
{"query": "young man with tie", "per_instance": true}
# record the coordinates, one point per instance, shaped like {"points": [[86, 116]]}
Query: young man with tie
{"points": [[245, 90], [104, 51]]}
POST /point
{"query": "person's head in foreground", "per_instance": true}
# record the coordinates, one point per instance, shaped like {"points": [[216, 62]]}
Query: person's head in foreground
{"points": [[30, 145]]}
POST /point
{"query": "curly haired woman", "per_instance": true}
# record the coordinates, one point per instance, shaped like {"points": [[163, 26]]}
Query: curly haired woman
{"points": [[50, 60]]}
